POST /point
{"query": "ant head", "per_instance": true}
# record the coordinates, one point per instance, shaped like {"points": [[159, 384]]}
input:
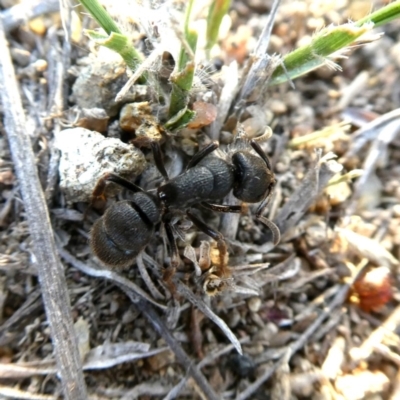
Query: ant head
{"points": [[253, 178], [167, 193]]}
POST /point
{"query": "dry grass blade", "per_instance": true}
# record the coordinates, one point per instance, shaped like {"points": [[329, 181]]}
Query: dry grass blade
{"points": [[110, 275], [143, 302], [331, 367], [11, 393], [284, 270], [112, 354], [101, 357], [390, 326], [202, 306], [146, 278], [228, 93], [146, 389], [181, 355], [371, 131], [208, 360], [17, 15], [21, 370], [330, 325], [368, 248], [312, 185], [377, 152], [51, 273], [262, 65], [32, 303]]}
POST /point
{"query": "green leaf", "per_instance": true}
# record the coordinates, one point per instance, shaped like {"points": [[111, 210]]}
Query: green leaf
{"points": [[180, 120], [119, 43]]}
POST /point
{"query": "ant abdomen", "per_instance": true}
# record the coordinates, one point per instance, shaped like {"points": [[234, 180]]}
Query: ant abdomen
{"points": [[252, 177], [124, 230]]}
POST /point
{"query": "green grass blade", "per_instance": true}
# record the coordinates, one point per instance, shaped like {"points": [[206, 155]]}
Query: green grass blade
{"points": [[382, 16], [314, 55], [100, 15], [329, 41], [216, 12]]}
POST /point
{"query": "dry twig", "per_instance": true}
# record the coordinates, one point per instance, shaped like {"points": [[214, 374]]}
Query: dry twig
{"points": [[51, 273]]}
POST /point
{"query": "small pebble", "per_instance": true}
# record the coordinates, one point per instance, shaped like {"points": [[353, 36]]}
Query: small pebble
{"points": [[278, 107], [254, 304], [20, 56]]}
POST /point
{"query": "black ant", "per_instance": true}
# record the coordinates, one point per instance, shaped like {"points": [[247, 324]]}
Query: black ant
{"points": [[127, 226]]}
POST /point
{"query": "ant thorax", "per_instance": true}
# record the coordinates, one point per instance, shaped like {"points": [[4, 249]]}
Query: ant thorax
{"points": [[209, 180]]}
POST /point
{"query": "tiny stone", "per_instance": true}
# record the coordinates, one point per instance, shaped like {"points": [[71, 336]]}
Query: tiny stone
{"points": [[280, 339], [20, 56], [233, 318], [129, 316], [255, 349], [396, 210], [395, 54], [109, 69], [293, 100], [278, 107], [161, 360], [254, 304], [40, 65], [264, 335], [132, 115]]}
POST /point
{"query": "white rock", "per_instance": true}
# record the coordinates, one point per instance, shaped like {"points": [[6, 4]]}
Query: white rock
{"points": [[87, 155]]}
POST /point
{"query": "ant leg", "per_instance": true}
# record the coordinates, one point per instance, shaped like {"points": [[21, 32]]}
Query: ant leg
{"points": [[99, 189], [265, 136], [202, 154], [172, 242], [261, 153], [276, 234], [224, 208], [158, 159], [169, 272], [217, 236]]}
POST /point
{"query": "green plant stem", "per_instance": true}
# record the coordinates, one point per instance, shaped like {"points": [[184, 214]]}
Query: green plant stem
{"points": [[100, 15], [182, 79], [114, 38], [382, 16]]}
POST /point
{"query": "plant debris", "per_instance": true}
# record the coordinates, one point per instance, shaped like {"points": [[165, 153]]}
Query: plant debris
{"points": [[313, 316]]}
